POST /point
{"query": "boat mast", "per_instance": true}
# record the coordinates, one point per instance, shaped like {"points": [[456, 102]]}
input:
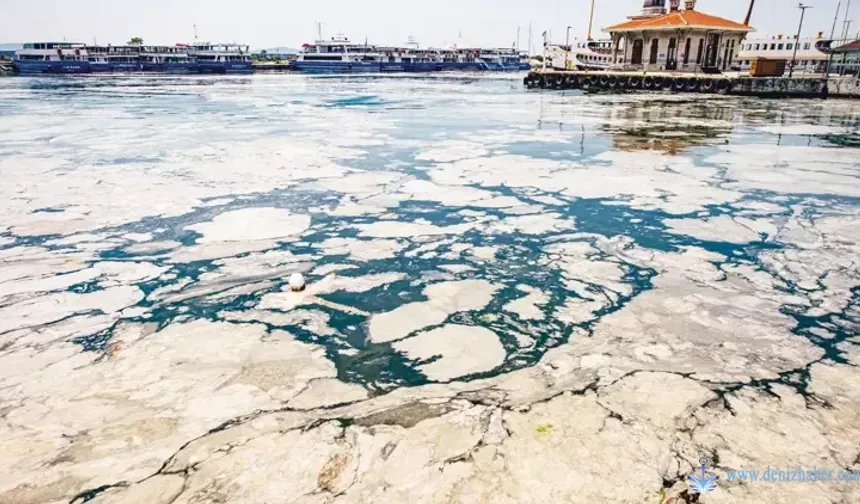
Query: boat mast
{"points": [[590, 20], [530, 39], [749, 13], [846, 22]]}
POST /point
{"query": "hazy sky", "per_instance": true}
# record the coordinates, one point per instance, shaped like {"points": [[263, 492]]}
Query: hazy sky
{"points": [[270, 23]]}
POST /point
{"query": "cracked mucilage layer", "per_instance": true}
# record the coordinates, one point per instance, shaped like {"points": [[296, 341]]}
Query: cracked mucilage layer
{"points": [[511, 296]]}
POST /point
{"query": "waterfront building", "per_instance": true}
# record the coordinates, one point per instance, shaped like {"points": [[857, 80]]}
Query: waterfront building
{"points": [[846, 59], [676, 39]]}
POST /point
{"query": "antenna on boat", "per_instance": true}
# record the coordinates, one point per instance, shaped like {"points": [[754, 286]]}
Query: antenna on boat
{"points": [[518, 39], [590, 20], [195, 32], [319, 30]]}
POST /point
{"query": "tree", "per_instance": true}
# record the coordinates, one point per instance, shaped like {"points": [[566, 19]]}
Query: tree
{"points": [[135, 41]]}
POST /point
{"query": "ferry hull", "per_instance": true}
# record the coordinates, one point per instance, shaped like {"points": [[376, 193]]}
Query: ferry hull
{"points": [[215, 67], [125, 67], [51, 67], [99, 67], [337, 67], [171, 68]]}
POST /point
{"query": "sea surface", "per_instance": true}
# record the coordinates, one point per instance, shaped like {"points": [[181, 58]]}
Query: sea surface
{"points": [[182, 199]]}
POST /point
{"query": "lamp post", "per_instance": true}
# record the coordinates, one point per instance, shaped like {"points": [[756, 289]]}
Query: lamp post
{"points": [[566, 47], [797, 39]]}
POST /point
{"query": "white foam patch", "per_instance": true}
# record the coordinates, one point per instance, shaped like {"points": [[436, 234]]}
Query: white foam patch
{"points": [[643, 180], [529, 306], [361, 250], [152, 247], [52, 307], [460, 350], [790, 169], [533, 224], [452, 150], [453, 195], [261, 223], [399, 229], [717, 229], [443, 299], [217, 250]]}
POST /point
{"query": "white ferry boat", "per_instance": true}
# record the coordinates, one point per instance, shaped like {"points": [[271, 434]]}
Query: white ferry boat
{"points": [[167, 59], [52, 57], [220, 58], [114, 58], [580, 55], [340, 55], [812, 52]]}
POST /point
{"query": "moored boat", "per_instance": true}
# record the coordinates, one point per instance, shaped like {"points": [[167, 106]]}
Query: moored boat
{"points": [[167, 59], [340, 55], [52, 57], [220, 58]]}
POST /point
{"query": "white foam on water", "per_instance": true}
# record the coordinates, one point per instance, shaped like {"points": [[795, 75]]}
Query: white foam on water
{"points": [[263, 223], [461, 350], [443, 299]]}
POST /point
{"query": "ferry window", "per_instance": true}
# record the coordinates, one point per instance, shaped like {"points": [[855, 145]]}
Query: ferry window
{"points": [[773, 47], [757, 46], [780, 46], [789, 46], [806, 46]]}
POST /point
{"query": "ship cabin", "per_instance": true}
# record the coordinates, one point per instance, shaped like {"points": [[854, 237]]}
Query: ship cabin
{"points": [[52, 51]]}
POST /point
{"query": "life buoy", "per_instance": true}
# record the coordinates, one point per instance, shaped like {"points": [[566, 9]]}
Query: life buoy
{"points": [[693, 84], [569, 81], [658, 82], [591, 80], [707, 85], [722, 86], [634, 82], [679, 84], [558, 82], [613, 82], [648, 83], [604, 80]]}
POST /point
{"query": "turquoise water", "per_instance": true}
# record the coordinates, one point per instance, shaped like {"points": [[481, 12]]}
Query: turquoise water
{"points": [[109, 156]]}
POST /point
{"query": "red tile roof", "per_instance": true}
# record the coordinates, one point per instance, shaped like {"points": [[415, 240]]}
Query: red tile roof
{"points": [[679, 19]]}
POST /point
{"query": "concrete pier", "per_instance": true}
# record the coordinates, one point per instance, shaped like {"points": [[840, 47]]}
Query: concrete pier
{"points": [[774, 87]]}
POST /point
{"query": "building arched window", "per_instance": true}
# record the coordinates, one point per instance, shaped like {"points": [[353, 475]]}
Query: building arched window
{"points": [[687, 51]]}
